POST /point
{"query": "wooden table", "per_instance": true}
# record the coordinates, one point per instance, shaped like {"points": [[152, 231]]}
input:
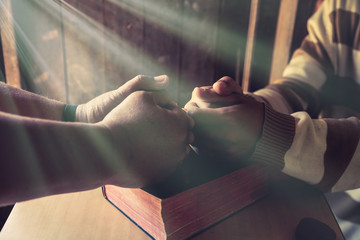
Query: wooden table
{"points": [[87, 215]]}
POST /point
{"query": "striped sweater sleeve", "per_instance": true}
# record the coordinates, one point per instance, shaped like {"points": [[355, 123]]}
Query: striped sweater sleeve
{"points": [[323, 152]]}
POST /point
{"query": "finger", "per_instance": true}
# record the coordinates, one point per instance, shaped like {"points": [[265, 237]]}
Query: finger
{"points": [[163, 100], [142, 82], [226, 86], [196, 98], [208, 98], [214, 116], [190, 106], [206, 94], [206, 116]]}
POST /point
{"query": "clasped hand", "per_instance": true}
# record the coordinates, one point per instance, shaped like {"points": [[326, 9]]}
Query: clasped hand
{"points": [[150, 132], [228, 122]]}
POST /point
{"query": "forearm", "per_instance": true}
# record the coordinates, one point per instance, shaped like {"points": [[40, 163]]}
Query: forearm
{"points": [[289, 96], [40, 157], [20, 102]]}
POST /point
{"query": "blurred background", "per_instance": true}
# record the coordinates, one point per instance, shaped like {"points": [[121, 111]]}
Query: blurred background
{"points": [[73, 50]]}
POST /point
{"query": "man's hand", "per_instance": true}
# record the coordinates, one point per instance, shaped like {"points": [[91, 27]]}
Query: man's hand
{"points": [[158, 136], [227, 122], [224, 92], [96, 109]]}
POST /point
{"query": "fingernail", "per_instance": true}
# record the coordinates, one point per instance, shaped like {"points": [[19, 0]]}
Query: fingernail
{"points": [[161, 78], [223, 84]]}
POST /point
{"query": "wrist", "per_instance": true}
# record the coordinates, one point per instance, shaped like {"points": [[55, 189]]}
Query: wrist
{"points": [[257, 128], [118, 150], [276, 138], [80, 114], [69, 113]]}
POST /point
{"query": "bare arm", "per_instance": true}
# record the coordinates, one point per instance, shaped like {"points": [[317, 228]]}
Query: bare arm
{"points": [[41, 157], [24, 103]]}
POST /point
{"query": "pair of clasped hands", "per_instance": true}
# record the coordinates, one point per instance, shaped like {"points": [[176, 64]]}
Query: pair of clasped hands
{"points": [[219, 119]]}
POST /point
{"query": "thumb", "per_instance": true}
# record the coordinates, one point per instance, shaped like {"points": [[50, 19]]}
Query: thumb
{"points": [[142, 82], [226, 85]]}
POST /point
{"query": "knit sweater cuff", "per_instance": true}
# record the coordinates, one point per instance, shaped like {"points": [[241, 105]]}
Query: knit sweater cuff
{"points": [[277, 136]]}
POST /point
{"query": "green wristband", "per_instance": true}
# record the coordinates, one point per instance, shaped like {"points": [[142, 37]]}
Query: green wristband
{"points": [[69, 113]]}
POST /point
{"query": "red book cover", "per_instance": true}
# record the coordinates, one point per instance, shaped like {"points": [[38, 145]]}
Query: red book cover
{"points": [[200, 193]]}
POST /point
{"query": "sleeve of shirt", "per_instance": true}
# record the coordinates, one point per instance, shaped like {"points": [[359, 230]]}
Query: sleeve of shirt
{"points": [[322, 152]]}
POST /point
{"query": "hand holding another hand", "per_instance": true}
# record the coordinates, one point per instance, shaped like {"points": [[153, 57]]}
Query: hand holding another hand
{"points": [[227, 122], [157, 137]]}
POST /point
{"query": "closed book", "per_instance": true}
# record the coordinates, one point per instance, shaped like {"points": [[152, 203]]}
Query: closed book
{"points": [[200, 193]]}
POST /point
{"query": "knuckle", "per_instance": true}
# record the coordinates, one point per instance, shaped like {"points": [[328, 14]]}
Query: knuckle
{"points": [[138, 79], [199, 93], [195, 94], [188, 105], [131, 85], [195, 90]]}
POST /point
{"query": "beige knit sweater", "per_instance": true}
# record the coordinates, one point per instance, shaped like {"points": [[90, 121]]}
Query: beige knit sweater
{"points": [[303, 133]]}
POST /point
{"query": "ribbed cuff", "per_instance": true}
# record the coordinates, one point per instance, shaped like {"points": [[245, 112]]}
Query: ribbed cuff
{"points": [[277, 136], [69, 113]]}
